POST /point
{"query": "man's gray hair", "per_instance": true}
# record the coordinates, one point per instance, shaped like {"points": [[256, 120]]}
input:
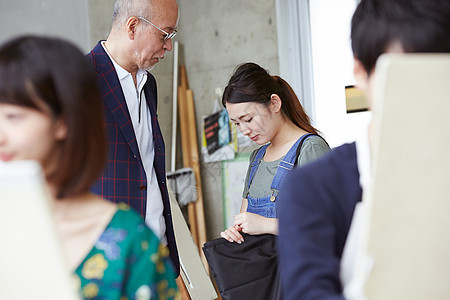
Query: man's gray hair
{"points": [[123, 9]]}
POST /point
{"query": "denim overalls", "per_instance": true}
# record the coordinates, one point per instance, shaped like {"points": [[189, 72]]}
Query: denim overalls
{"points": [[267, 206]]}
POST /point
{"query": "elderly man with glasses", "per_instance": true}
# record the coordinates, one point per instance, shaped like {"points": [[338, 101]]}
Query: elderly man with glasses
{"points": [[141, 33]]}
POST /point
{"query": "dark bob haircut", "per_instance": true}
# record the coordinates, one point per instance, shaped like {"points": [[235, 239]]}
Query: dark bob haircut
{"points": [[53, 76], [417, 25]]}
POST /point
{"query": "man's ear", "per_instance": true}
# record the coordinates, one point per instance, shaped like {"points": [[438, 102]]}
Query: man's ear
{"points": [[131, 26], [275, 103], [361, 76]]}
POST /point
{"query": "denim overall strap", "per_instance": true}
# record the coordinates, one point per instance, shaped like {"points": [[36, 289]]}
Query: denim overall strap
{"points": [[286, 165], [256, 162]]}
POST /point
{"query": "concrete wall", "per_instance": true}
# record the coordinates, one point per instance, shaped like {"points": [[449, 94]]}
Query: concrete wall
{"points": [[61, 18], [215, 36], [100, 20], [83, 22]]}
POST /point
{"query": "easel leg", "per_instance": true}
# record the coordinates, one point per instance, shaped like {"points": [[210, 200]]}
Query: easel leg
{"points": [[182, 288]]}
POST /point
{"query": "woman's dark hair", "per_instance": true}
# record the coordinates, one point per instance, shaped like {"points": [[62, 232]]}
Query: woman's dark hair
{"points": [[251, 83], [417, 25], [53, 76]]}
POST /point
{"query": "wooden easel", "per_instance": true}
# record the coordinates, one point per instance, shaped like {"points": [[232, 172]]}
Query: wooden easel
{"points": [[191, 159]]}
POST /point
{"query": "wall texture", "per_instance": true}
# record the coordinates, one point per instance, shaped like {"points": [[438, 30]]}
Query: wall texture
{"points": [[61, 18], [100, 20]]}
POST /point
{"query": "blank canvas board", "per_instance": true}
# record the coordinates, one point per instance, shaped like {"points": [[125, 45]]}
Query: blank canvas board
{"points": [[33, 265], [193, 273], [409, 231]]}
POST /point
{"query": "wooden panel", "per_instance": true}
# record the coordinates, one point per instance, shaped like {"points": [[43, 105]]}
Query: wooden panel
{"points": [[191, 159], [195, 161], [186, 141]]}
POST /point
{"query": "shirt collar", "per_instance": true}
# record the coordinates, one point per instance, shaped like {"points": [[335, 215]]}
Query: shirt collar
{"points": [[121, 72]]}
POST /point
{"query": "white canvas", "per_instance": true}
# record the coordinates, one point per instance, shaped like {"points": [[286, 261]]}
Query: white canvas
{"points": [[193, 273], [32, 263], [409, 203]]}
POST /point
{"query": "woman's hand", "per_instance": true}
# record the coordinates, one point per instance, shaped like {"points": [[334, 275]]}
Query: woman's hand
{"points": [[255, 224], [250, 223], [232, 234]]}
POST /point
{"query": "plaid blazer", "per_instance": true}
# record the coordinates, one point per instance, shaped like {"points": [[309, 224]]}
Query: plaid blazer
{"points": [[123, 178]]}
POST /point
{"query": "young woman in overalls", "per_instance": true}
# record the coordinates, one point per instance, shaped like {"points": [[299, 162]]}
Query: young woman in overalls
{"points": [[266, 109]]}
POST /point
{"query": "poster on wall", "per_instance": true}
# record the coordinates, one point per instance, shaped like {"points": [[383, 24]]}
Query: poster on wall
{"points": [[219, 139], [217, 131]]}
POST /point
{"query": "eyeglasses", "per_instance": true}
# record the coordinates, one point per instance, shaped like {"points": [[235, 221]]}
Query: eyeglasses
{"points": [[166, 34]]}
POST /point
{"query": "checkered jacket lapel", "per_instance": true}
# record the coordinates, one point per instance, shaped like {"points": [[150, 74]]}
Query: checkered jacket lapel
{"points": [[113, 96]]}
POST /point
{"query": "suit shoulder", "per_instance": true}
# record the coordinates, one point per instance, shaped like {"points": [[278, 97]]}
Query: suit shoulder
{"points": [[333, 167], [341, 155], [97, 55]]}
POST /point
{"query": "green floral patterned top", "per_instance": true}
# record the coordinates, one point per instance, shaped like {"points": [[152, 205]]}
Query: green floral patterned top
{"points": [[127, 262]]}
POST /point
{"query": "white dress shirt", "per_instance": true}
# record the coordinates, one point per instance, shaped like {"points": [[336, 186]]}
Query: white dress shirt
{"points": [[141, 120], [355, 262]]}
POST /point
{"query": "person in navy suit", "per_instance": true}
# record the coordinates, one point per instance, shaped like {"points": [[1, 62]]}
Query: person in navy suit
{"points": [[141, 33], [317, 202]]}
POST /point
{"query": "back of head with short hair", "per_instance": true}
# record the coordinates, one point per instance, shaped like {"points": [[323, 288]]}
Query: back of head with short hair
{"points": [[418, 25], [53, 76]]}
